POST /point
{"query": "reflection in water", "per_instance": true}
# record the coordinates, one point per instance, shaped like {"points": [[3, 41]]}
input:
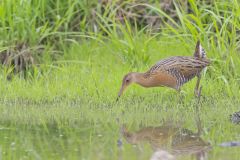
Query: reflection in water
{"points": [[177, 141], [230, 144], [162, 155]]}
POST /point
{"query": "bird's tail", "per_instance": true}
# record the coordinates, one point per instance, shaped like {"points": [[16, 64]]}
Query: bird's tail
{"points": [[199, 51]]}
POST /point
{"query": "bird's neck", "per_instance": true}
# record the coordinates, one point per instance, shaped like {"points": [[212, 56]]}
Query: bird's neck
{"points": [[141, 79]]}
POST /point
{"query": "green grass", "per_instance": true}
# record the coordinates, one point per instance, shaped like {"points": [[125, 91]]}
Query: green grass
{"points": [[69, 111], [66, 108]]}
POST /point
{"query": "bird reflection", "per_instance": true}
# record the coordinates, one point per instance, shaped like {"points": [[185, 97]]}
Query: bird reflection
{"points": [[177, 141]]}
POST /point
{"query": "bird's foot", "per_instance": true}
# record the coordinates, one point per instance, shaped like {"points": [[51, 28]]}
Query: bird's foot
{"points": [[197, 92]]}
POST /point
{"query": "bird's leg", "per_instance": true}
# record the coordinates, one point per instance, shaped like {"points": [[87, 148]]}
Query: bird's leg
{"points": [[198, 95], [197, 91]]}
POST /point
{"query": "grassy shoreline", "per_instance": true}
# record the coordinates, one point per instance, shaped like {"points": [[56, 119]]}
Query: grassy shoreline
{"points": [[70, 110], [65, 107]]}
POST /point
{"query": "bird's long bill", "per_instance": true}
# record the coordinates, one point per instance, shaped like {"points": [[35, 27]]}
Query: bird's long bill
{"points": [[120, 92]]}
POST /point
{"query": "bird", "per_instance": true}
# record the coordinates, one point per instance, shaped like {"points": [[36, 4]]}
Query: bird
{"points": [[235, 117], [171, 72]]}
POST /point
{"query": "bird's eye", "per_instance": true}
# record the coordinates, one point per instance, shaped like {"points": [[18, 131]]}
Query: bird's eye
{"points": [[127, 80]]}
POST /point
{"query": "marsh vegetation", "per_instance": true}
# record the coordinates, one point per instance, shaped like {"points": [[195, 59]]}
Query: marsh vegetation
{"points": [[63, 63]]}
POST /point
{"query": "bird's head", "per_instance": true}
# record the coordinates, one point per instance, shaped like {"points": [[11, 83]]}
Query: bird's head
{"points": [[127, 80]]}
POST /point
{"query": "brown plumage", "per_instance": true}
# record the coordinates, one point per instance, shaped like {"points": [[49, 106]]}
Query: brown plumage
{"points": [[172, 72]]}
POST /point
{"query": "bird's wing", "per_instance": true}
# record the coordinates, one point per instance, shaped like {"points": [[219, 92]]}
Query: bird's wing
{"points": [[182, 68]]}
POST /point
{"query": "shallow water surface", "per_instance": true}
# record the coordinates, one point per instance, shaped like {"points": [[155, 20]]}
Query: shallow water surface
{"points": [[50, 133]]}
